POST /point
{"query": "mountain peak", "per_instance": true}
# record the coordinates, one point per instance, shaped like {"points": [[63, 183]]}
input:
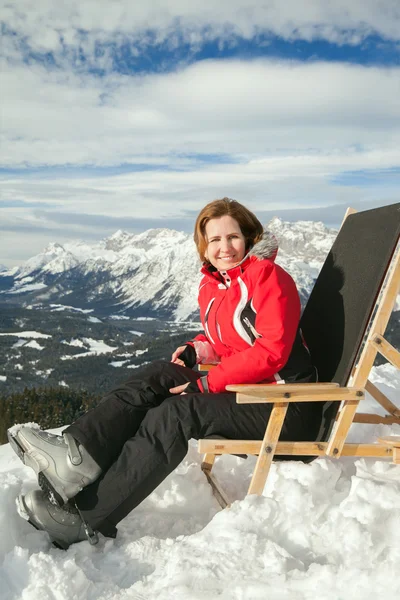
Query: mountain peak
{"points": [[275, 222], [120, 234], [118, 240], [54, 248], [306, 240]]}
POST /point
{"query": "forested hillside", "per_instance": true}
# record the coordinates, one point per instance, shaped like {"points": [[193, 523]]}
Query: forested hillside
{"points": [[56, 364], [49, 407]]}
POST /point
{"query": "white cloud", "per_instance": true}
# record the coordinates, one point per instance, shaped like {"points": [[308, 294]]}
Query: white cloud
{"points": [[292, 128], [45, 23], [256, 107], [97, 206]]}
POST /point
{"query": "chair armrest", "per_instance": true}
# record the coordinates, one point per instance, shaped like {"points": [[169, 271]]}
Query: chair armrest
{"points": [[294, 392], [206, 367]]}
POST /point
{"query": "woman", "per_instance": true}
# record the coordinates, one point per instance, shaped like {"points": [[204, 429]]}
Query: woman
{"points": [[115, 455]]}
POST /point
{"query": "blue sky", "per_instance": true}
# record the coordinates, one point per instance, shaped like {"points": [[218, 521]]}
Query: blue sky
{"points": [[129, 57], [128, 116]]}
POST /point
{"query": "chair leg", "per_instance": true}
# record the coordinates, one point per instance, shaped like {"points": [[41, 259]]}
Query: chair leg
{"points": [[268, 448], [206, 466], [208, 462]]}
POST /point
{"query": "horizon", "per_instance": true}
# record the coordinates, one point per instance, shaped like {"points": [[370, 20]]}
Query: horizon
{"points": [[135, 117]]}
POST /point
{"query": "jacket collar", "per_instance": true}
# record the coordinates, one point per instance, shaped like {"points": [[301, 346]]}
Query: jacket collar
{"points": [[234, 272], [266, 248]]}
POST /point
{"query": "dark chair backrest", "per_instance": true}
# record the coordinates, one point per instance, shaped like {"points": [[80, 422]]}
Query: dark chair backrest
{"points": [[342, 301]]}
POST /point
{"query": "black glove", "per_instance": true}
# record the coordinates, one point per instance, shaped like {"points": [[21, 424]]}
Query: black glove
{"points": [[201, 385], [192, 388], [188, 356]]}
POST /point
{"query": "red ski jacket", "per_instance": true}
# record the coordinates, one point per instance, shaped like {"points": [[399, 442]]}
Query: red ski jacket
{"points": [[250, 315]]}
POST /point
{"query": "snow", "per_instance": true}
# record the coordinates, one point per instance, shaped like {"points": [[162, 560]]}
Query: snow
{"points": [[61, 307], [19, 344], [94, 320], [118, 363], [145, 319], [34, 345], [44, 373], [28, 334], [3, 378], [139, 333], [329, 529], [74, 342], [119, 317], [98, 346], [189, 325], [94, 347], [21, 289]]}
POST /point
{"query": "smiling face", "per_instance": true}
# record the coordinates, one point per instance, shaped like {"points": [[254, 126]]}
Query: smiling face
{"points": [[226, 245]]}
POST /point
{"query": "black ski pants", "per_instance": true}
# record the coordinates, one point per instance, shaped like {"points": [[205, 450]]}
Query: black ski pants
{"points": [[139, 433]]}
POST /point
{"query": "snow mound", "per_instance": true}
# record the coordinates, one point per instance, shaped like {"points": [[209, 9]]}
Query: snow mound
{"points": [[329, 528]]}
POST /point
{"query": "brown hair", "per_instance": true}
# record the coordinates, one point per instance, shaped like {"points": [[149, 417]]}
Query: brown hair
{"points": [[249, 225]]}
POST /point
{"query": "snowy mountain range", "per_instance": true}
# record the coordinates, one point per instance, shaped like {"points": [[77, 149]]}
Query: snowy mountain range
{"points": [[154, 273]]}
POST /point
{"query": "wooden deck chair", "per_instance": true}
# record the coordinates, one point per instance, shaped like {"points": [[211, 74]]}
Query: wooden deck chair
{"points": [[343, 323]]}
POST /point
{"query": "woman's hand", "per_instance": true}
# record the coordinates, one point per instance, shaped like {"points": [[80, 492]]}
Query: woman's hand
{"points": [[175, 359], [180, 388]]}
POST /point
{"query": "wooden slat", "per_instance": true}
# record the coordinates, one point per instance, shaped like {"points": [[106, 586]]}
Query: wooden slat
{"points": [[390, 440], [382, 399], [387, 350], [375, 419], [330, 395], [206, 367], [341, 429], [268, 446], [229, 446], [393, 441], [252, 447], [262, 389]]}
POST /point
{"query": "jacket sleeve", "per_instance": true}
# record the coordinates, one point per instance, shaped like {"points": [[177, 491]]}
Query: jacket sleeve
{"points": [[277, 305]]}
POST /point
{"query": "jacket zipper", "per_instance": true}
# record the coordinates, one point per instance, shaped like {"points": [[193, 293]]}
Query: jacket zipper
{"points": [[250, 326]]}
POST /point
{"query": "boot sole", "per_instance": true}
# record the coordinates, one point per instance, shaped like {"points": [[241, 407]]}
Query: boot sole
{"points": [[19, 451], [23, 512], [55, 495]]}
